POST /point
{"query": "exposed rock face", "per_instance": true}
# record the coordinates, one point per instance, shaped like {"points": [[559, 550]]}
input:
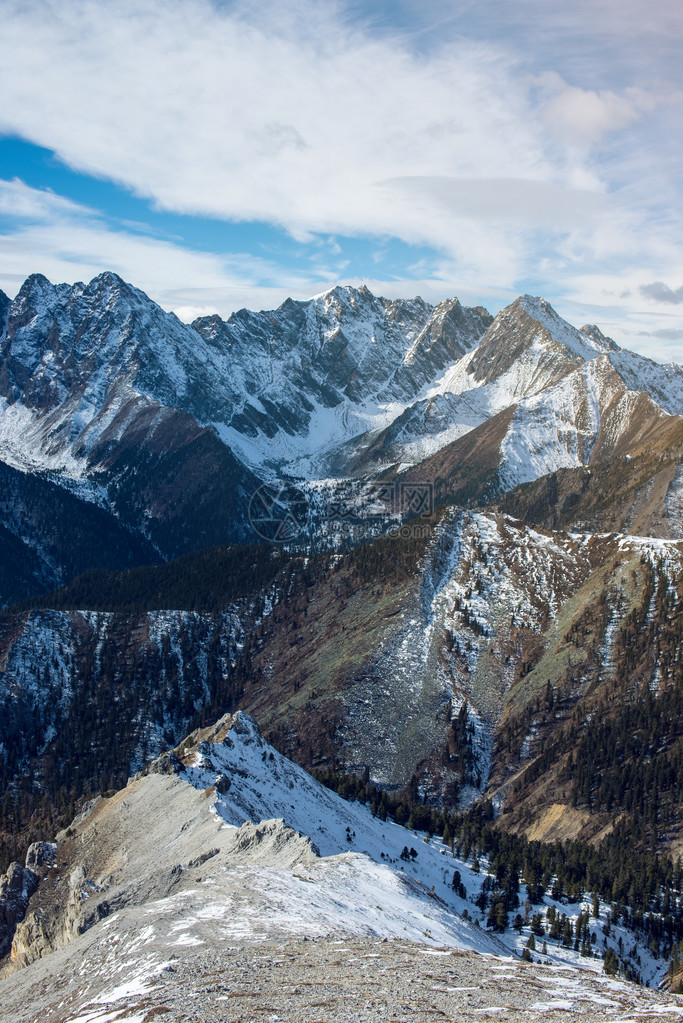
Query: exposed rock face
{"points": [[40, 854], [530, 334], [50, 926], [145, 843], [345, 346], [272, 842], [16, 888]]}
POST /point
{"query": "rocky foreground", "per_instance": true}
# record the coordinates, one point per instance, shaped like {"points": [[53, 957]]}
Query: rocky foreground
{"points": [[322, 980], [165, 901]]}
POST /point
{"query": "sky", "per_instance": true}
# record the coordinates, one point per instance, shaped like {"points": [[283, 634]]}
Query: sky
{"points": [[223, 154]]}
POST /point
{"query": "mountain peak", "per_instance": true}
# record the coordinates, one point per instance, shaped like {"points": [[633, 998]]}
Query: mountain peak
{"points": [[347, 294], [108, 279], [535, 305], [582, 345], [344, 291], [35, 284]]}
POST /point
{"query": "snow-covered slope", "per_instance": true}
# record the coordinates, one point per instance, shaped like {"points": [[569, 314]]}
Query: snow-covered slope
{"points": [[254, 782], [228, 833], [224, 844], [663, 383], [527, 348], [527, 351], [590, 414], [313, 374]]}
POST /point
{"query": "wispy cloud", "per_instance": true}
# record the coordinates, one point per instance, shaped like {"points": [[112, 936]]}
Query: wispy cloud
{"points": [[66, 241], [526, 151], [587, 115], [296, 118], [669, 333]]}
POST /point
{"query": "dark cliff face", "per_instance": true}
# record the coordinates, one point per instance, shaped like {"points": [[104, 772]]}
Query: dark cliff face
{"points": [[5, 304], [530, 329], [16, 888], [49, 535]]}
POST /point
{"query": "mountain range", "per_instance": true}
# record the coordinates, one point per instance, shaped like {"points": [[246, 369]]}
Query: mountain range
{"points": [[431, 552]]}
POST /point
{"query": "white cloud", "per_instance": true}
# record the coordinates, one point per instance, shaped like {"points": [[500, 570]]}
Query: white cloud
{"points": [[17, 201], [586, 115], [69, 242], [506, 200], [296, 115], [205, 110]]}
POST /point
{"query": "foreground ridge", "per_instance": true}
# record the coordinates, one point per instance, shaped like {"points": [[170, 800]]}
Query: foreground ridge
{"points": [[328, 981], [174, 896]]}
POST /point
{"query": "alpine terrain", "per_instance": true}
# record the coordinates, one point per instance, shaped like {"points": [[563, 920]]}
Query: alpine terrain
{"points": [[341, 663]]}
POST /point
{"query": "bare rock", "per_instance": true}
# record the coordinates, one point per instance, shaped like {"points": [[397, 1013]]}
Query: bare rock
{"points": [[16, 888]]}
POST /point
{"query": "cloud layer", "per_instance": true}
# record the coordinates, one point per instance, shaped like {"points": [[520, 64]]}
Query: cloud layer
{"points": [[524, 158]]}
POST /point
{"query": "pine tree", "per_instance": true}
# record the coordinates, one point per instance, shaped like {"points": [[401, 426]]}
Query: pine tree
{"points": [[611, 965]]}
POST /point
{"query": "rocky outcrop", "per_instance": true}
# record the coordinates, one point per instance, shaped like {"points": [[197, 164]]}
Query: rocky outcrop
{"points": [[16, 888], [272, 842], [48, 926], [146, 842]]}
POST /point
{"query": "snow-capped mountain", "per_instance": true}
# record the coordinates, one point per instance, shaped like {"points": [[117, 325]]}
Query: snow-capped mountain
{"points": [[162, 424], [82, 364], [313, 374], [587, 416], [527, 352], [171, 428]]}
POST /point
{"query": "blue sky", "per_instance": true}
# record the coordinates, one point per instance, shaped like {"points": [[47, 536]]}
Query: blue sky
{"points": [[221, 155]]}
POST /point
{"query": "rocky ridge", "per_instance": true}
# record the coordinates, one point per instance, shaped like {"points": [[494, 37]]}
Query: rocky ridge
{"points": [[151, 903]]}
